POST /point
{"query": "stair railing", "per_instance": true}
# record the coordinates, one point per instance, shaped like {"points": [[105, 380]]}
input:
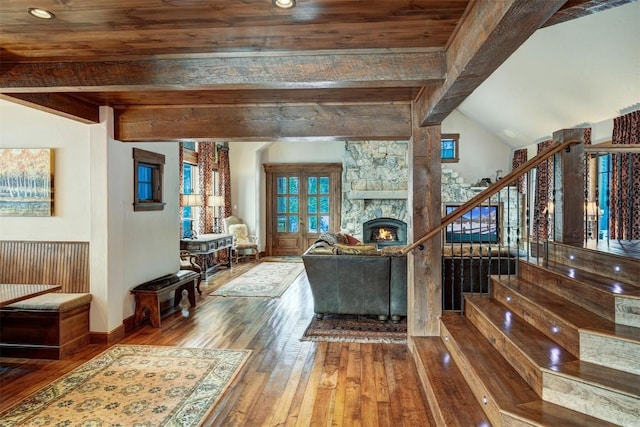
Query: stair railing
{"points": [[507, 180], [483, 236]]}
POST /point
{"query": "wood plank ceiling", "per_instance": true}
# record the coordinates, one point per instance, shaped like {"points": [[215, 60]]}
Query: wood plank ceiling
{"points": [[246, 70]]}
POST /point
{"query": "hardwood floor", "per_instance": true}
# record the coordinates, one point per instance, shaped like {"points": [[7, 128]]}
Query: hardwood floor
{"points": [[286, 382]]}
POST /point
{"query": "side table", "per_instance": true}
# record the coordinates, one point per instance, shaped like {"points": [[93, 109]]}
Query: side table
{"points": [[207, 244]]}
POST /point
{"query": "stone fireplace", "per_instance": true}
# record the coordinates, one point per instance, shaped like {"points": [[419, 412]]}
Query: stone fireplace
{"points": [[375, 180], [384, 232]]}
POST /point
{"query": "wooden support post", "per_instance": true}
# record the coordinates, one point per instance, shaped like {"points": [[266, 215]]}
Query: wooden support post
{"points": [[568, 214], [425, 276]]}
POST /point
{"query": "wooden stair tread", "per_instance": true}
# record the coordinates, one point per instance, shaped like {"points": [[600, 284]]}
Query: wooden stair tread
{"points": [[600, 376], [601, 282], [570, 312], [507, 386], [540, 349], [622, 332], [448, 385], [549, 414]]}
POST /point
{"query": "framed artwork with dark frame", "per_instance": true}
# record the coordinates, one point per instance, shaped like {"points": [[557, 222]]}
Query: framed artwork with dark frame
{"points": [[479, 225], [26, 181]]}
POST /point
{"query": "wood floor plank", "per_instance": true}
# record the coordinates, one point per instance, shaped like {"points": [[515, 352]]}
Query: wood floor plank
{"points": [[285, 382]]}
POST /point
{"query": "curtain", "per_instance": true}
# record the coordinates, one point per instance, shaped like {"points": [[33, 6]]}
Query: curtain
{"points": [[181, 186], [543, 195], [224, 190], [206, 161], [520, 158], [624, 207]]}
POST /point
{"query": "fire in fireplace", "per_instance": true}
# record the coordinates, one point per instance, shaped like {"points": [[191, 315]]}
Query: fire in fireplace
{"points": [[385, 232]]}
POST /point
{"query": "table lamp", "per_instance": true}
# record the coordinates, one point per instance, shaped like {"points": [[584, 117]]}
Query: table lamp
{"points": [[191, 200]]}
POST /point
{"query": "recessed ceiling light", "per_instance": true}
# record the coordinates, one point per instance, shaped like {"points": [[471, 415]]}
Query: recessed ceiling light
{"points": [[40, 13], [510, 133], [284, 4]]}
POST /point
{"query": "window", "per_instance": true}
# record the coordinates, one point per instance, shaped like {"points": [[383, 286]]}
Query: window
{"points": [[190, 186], [449, 147], [147, 180]]}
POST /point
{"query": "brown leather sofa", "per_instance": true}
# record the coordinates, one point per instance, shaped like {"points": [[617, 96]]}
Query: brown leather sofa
{"points": [[347, 281]]}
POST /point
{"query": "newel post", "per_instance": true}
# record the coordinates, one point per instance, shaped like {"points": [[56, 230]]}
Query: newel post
{"points": [[424, 204], [568, 217]]}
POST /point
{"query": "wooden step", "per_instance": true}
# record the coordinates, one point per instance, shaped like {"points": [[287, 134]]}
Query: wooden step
{"points": [[509, 399], [557, 318], [618, 267], [594, 293], [618, 349], [526, 349], [540, 413], [450, 398], [495, 384], [628, 309], [598, 391]]}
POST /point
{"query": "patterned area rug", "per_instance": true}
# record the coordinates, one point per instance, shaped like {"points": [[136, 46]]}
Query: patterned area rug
{"points": [[267, 279], [133, 386], [355, 328]]}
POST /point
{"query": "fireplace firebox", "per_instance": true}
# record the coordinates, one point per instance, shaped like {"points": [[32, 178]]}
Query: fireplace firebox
{"points": [[384, 232]]}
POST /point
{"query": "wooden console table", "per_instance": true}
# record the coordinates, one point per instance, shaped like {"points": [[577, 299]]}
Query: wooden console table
{"points": [[207, 244]]}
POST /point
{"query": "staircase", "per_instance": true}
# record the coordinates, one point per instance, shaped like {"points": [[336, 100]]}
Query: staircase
{"points": [[556, 345]]}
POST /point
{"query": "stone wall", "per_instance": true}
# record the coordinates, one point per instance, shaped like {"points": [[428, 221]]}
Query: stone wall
{"points": [[375, 182], [375, 178]]}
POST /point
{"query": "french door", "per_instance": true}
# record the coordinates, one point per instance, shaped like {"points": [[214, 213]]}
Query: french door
{"points": [[303, 201]]}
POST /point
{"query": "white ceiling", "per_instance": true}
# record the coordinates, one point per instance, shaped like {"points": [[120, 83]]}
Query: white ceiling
{"points": [[582, 71]]}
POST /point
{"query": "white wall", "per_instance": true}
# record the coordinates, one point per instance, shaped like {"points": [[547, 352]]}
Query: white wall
{"points": [[23, 127], [481, 153], [248, 178], [94, 203]]}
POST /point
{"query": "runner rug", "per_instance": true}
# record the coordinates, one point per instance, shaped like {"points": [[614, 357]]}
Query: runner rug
{"points": [[134, 385], [267, 279], [356, 328]]}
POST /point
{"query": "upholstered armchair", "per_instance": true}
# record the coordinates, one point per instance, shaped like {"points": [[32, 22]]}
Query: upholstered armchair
{"points": [[244, 244], [188, 262]]}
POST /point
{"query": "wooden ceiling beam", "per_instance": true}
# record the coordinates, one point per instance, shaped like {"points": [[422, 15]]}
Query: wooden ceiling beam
{"points": [[59, 104], [489, 33], [264, 123], [577, 8], [382, 69]]}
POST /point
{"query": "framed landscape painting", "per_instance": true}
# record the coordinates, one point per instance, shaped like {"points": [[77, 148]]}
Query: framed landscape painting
{"points": [[26, 181], [479, 225]]}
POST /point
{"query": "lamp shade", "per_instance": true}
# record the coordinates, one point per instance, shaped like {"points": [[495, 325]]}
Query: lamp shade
{"points": [[591, 209], [215, 201], [191, 200]]}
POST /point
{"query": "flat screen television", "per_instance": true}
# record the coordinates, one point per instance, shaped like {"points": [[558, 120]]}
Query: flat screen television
{"points": [[479, 225]]}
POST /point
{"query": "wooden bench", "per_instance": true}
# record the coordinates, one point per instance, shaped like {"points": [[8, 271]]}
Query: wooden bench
{"points": [[151, 294], [49, 326]]}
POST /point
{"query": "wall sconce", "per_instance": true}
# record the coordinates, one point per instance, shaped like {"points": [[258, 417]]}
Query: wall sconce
{"points": [[193, 201]]}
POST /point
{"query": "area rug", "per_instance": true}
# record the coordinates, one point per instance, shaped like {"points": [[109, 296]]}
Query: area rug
{"points": [[356, 328], [267, 279], [133, 386]]}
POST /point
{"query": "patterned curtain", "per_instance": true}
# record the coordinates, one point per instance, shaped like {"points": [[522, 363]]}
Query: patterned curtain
{"points": [[206, 161], [520, 158], [181, 185], [624, 209], [588, 185], [224, 190], [543, 195]]}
